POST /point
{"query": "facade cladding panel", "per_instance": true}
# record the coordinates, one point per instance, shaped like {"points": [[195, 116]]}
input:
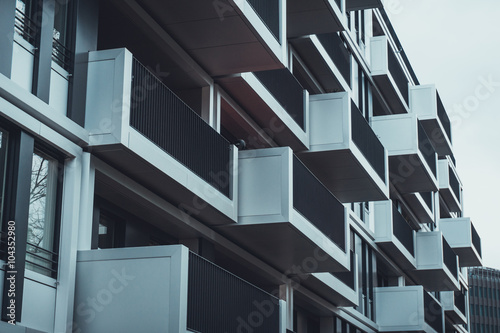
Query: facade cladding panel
{"points": [[484, 299]]}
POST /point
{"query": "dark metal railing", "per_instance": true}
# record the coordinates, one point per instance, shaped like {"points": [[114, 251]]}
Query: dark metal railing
{"points": [[427, 197], [348, 278], [460, 301], [269, 13], [25, 27], [402, 230], [443, 117], [316, 203], [450, 258], [218, 300], [62, 55], [433, 313], [338, 52], [367, 141], [166, 120], [476, 240], [42, 260], [397, 73], [287, 91], [426, 148], [454, 183]]}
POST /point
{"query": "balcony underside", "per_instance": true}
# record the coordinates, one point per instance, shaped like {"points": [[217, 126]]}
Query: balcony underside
{"points": [[331, 289], [419, 208], [408, 174], [398, 253], [468, 256], [284, 246], [313, 17], [455, 316], [437, 136], [347, 174], [174, 183], [218, 35], [363, 4], [256, 100], [315, 62], [390, 91], [435, 279]]}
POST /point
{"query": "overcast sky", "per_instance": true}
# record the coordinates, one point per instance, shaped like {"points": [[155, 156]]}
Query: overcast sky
{"points": [[456, 45]]}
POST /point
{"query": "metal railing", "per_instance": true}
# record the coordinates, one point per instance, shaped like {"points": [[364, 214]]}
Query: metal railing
{"points": [[287, 91], [426, 148], [166, 120], [402, 230], [62, 55], [269, 13], [454, 183], [397, 73], [433, 313], [41, 260], [427, 197], [338, 52], [476, 240], [348, 278], [316, 203], [460, 301], [25, 27], [367, 141], [218, 300], [443, 117], [450, 258]]}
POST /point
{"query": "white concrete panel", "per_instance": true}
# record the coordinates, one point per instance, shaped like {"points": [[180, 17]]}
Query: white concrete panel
{"points": [[378, 52], [39, 303], [398, 133], [429, 246], [423, 101], [22, 63], [329, 118], [59, 86]]}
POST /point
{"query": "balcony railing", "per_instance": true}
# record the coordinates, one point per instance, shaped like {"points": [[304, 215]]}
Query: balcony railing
{"points": [[450, 258], [348, 278], [402, 230], [454, 183], [269, 12], [443, 117], [287, 91], [476, 240], [433, 313], [62, 55], [25, 27], [397, 74], [460, 302], [313, 200], [367, 142], [338, 52], [217, 298], [41, 260], [165, 119], [427, 196], [425, 147]]}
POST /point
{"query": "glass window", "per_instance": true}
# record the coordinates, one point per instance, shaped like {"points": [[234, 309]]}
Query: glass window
{"points": [[61, 35], [40, 256], [4, 140], [24, 25], [109, 227]]}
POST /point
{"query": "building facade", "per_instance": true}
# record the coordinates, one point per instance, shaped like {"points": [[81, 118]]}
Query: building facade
{"points": [[224, 166], [484, 300]]}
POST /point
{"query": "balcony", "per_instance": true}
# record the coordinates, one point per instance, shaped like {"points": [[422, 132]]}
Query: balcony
{"points": [[340, 288], [437, 264], [412, 159], [394, 235], [427, 105], [276, 101], [450, 187], [353, 5], [315, 16], [408, 309], [345, 154], [286, 215], [182, 288], [144, 130], [421, 204], [328, 59], [389, 75], [224, 36], [454, 306], [463, 239]]}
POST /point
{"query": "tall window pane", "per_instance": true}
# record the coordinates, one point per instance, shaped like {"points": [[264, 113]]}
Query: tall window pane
{"points": [[42, 214], [61, 53]]}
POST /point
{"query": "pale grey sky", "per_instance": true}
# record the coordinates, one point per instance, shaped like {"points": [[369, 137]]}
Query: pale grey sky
{"points": [[455, 44]]}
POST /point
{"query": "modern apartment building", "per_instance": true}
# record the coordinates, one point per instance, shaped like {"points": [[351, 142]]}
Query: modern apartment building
{"points": [[224, 166], [484, 300]]}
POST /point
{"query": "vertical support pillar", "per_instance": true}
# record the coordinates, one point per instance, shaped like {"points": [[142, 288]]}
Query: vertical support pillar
{"points": [[286, 294], [43, 62], [7, 21]]}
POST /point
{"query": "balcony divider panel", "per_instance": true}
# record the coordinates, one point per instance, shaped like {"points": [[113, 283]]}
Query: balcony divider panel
{"points": [[460, 302], [402, 230], [433, 313], [425, 147], [454, 184], [450, 258], [217, 298], [427, 197], [347, 277], [398, 74], [443, 117], [476, 240], [269, 12], [367, 141], [287, 91], [338, 52], [316, 203], [166, 120]]}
